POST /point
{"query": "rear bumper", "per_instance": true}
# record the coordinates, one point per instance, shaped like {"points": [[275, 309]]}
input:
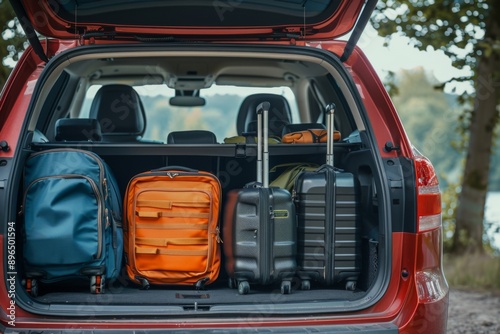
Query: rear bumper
{"points": [[429, 318], [373, 329]]}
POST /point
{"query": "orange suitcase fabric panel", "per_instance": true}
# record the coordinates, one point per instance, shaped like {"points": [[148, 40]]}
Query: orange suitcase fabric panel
{"points": [[172, 232]]}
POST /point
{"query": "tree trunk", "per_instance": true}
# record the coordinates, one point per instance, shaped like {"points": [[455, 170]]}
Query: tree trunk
{"points": [[469, 229]]}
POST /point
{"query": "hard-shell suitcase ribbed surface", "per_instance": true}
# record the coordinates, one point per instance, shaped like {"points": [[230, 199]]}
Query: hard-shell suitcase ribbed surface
{"points": [[259, 230], [328, 236]]}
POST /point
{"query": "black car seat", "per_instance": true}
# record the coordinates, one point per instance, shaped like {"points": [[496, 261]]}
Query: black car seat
{"points": [[279, 114], [78, 129], [191, 137], [120, 112]]}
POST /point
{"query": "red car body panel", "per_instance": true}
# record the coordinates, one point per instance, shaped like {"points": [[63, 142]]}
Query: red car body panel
{"points": [[411, 252], [48, 23], [399, 305], [20, 84]]}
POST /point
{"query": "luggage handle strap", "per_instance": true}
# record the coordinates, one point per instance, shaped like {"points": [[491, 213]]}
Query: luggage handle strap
{"points": [[154, 203], [158, 251], [165, 204], [316, 138], [159, 214], [170, 226], [172, 241]]}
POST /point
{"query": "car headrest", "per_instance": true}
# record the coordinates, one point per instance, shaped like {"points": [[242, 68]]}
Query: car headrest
{"points": [[191, 137], [120, 112], [279, 113], [78, 129]]}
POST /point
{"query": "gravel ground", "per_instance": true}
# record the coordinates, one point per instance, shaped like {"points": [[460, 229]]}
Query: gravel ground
{"points": [[473, 312]]}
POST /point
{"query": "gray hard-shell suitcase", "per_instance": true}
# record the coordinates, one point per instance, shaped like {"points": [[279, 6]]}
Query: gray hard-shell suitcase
{"points": [[260, 227], [327, 237]]}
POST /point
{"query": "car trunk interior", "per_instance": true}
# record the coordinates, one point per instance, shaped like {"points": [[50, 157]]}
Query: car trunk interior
{"points": [[308, 75], [218, 296]]}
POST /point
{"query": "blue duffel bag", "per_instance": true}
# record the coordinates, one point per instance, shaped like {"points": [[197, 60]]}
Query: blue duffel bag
{"points": [[72, 219]]}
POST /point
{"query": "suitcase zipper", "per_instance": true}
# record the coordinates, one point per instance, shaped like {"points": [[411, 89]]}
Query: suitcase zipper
{"points": [[218, 239], [92, 155]]}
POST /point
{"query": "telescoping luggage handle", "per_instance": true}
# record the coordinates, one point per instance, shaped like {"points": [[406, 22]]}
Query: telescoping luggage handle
{"points": [[263, 144], [329, 110]]}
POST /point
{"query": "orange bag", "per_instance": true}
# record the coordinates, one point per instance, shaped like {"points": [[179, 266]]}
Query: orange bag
{"points": [[171, 234], [308, 136]]}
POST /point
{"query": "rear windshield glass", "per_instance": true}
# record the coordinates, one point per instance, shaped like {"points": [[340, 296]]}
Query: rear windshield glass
{"points": [[202, 12], [218, 115]]}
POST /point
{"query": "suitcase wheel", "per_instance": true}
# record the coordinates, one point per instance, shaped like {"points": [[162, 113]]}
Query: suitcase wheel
{"points": [[350, 285], [143, 282], [305, 285], [31, 286], [200, 285], [286, 287], [243, 287], [97, 284]]}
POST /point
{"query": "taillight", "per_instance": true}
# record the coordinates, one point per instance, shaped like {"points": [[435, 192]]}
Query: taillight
{"points": [[431, 283], [428, 196]]}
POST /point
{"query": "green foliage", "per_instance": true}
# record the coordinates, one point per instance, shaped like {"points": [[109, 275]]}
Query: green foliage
{"points": [[463, 29], [449, 206], [430, 119], [390, 84], [13, 41], [494, 175], [453, 26], [472, 271], [468, 32]]}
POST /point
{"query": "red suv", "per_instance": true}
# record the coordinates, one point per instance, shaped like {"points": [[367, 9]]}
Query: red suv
{"points": [[194, 72]]}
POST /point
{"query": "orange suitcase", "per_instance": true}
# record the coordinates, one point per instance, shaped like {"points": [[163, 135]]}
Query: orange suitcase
{"points": [[171, 233]]}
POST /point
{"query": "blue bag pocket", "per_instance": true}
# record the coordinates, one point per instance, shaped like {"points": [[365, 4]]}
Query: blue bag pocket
{"points": [[63, 221]]}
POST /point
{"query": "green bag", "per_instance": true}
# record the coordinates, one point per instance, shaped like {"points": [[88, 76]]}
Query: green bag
{"points": [[287, 178], [249, 140]]}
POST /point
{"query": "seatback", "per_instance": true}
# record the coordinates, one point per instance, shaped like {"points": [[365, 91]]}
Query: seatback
{"points": [[120, 112], [279, 114], [191, 137], [78, 129]]}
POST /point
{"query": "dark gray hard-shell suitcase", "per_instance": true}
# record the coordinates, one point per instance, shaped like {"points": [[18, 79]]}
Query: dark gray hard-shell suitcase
{"points": [[327, 237], [260, 227]]}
